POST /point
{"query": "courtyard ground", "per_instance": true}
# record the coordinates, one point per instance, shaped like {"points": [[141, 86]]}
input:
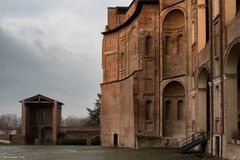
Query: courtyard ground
{"points": [[91, 153]]}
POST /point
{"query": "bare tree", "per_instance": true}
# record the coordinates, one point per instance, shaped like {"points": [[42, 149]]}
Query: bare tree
{"points": [[74, 121], [93, 120], [9, 122]]}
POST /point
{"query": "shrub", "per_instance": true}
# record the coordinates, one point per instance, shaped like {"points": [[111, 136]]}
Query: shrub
{"points": [[96, 141], [72, 142]]}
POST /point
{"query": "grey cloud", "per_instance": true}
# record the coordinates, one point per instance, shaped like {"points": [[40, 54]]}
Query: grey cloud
{"points": [[58, 74], [53, 48]]}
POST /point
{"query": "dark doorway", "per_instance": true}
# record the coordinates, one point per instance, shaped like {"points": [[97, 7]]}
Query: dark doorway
{"points": [[46, 136], [10, 137], [217, 146], [115, 140]]}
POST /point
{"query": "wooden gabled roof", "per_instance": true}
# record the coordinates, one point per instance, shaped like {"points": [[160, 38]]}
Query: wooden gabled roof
{"points": [[40, 99]]}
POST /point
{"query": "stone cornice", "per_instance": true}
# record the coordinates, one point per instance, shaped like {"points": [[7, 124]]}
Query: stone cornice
{"points": [[137, 11]]}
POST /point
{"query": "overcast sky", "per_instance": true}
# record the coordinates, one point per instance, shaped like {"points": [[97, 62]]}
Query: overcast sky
{"points": [[52, 47]]}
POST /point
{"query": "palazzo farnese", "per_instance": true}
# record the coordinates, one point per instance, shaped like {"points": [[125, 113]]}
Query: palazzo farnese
{"points": [[171, 70]]}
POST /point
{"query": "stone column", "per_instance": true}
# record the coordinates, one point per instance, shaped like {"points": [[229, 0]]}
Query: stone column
{"points": [[23, 123], [55, 123]]}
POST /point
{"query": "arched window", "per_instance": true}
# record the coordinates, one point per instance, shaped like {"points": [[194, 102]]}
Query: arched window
{"points": [[149, 45], [180, 44], [167, 110], [180, 110], [149, 111], [167, 45], [122, 61]]}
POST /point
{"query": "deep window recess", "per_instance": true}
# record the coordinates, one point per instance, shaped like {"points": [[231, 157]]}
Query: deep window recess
{"points": [[207, 20], [238, 5]]}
